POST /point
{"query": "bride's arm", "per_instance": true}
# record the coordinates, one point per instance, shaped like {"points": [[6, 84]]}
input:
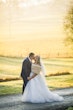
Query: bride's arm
{"points": [[36, 70], [34, 75]]}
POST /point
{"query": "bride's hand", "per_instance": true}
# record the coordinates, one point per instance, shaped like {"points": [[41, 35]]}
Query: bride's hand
{"points": [[28, 78]]}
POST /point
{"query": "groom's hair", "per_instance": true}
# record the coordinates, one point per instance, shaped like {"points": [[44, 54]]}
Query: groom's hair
{"points": [[31, 54]]}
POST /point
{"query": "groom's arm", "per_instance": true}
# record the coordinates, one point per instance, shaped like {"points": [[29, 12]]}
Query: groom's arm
{"points": [[24, 69], [34, 75]]}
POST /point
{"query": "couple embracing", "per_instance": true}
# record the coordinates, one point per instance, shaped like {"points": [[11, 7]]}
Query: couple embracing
{"points": [[35, 89]]}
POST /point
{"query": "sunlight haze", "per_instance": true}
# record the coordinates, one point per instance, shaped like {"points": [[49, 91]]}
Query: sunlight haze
{"points": [[22, 20]]}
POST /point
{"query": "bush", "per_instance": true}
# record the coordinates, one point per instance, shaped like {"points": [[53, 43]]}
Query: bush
{"points": [[59, 73]]}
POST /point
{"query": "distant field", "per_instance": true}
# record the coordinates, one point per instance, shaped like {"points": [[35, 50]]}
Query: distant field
{"points": [[11, 68], [54, 65], [44, 47]]}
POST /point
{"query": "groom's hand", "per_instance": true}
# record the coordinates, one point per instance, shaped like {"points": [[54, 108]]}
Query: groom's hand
{"points": [[28, 78]]}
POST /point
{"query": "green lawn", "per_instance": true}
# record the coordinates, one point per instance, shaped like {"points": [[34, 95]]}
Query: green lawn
{"points": [[11, 68], [70, 108], [54, 65], [10, 87]]}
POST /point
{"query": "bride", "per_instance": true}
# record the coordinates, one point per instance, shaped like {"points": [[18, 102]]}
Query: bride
{"points": [[36, 90]]}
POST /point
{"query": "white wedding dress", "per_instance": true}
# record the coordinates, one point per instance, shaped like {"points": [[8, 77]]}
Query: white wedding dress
{"points": [[37, 91]]}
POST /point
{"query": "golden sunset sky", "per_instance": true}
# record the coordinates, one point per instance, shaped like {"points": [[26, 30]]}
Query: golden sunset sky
{"points": [[22, 20]]}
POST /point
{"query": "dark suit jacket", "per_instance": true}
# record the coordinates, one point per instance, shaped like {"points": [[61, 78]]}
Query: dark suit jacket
{"points": [[26, 69]]}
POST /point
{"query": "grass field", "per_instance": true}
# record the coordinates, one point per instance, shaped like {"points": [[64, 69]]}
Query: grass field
{"points": [[11, 68], [70, 108]]}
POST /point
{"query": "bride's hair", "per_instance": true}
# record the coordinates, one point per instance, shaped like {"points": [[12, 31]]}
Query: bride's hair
{"points": [[40, 62], [38, 59]]}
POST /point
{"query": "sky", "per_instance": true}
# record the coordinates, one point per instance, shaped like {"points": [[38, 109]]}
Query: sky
{"points": [[32, 19]]}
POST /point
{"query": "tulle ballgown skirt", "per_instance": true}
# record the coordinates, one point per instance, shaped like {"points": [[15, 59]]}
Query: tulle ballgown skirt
{"points": [[37, 91]]}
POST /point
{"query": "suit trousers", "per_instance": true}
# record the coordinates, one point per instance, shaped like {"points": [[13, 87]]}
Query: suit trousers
{"points": [[24, 85]]}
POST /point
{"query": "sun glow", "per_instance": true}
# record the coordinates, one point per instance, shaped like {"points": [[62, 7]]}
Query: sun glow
{"points": [[26, 22], [30, 3], [4, 1], [35, 20]]}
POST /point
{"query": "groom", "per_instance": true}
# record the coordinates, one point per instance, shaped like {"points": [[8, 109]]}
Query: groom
{"points": [[26, 69]]}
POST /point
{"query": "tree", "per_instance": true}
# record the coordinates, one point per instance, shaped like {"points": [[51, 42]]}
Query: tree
{"points": [[68, 26]]}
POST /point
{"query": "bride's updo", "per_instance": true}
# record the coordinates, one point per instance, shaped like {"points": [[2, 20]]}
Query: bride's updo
{"points": [[37, 59]]}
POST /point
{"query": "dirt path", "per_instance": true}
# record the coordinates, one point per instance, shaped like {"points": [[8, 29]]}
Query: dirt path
{"points": [[13, 102]]}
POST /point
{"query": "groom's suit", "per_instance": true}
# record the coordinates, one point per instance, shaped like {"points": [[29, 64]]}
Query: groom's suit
{"points": [[26, 70]]}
